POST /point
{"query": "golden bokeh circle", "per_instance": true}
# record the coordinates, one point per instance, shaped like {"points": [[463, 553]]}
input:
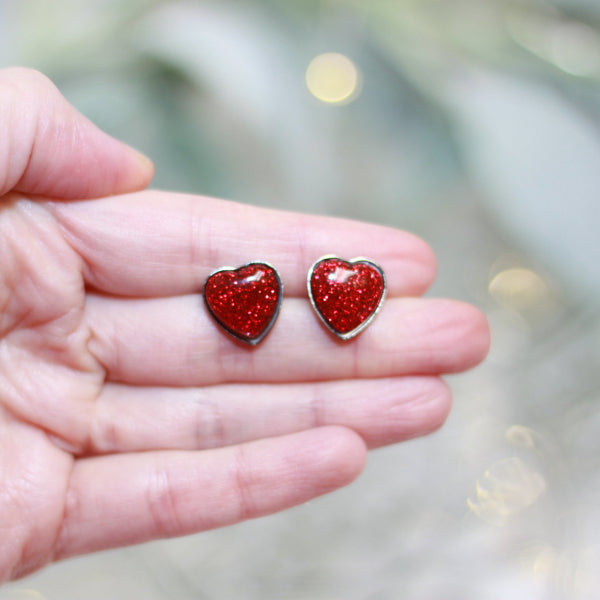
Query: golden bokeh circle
{"points": [[333, 78]]}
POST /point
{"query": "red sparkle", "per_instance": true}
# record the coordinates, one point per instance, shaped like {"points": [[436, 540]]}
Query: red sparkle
{"points": [[346, 294], [244, 301]]}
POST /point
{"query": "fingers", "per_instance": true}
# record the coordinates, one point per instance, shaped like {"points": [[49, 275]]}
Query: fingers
{"points": [[47, 148], [161, 244], [381, 411], [127, 499], [173, 342]]}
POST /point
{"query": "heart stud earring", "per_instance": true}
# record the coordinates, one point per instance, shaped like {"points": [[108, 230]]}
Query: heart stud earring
{"points": [[346, 294], [244, 301]]}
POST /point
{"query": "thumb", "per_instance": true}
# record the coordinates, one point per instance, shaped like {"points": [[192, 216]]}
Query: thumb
{"points": [[48, 148]]}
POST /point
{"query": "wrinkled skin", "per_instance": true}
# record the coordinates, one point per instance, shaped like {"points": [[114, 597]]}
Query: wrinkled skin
{"points": [[125, 414]]}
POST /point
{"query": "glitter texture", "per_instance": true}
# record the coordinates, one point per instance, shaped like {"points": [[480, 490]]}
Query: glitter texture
{"points": [[346, 294], [244, 301]]}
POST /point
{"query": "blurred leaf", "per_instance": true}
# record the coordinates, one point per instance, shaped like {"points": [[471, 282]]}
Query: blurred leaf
{"points": [[538, 161]]}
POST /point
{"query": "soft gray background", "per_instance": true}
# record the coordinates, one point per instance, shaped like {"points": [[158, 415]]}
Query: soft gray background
{"points": [[477, 127]]}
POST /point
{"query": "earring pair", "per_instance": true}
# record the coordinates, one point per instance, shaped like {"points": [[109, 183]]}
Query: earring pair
{"points": [[346, 295]]}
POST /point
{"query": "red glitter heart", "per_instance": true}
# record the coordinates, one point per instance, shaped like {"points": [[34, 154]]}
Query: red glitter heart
{"points": [[346, 294], [244, 301]]}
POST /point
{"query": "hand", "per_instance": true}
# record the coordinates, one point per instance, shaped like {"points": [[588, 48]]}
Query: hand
{"points": [[125, 413]]}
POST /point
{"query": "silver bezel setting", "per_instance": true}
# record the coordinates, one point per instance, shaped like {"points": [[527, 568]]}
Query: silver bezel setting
{"points": [[257, 340], [359, 259]]}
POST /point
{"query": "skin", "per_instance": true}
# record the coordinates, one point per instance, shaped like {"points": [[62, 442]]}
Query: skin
{"points": [[125, 414]]}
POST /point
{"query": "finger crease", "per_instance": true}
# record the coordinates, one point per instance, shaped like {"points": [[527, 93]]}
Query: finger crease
{"points": [[315, 404], [162, 503], [71, 509], [243, 485]]}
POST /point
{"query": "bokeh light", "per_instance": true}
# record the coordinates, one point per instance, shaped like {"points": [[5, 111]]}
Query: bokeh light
{"points": [[333, 78], [518, 288], [506, 488]]}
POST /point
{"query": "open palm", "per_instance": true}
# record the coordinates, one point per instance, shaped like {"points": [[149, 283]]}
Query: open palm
{"points": [[125, 414]]}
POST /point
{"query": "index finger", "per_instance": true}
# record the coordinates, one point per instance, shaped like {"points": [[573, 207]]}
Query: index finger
{"points": [[157, 243]]}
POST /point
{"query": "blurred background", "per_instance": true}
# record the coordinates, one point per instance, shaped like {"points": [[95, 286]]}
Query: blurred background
{"points": [[474, 123]]}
